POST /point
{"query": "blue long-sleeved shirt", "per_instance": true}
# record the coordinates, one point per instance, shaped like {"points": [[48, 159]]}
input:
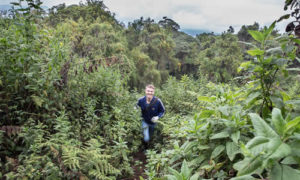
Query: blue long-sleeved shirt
{"points": [[157, 109]]}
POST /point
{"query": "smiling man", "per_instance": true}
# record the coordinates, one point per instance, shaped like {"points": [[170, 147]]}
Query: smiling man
{"points": [[152, 109]]}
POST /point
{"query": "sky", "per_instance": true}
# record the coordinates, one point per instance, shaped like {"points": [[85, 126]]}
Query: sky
{"points": [[210, 15]]}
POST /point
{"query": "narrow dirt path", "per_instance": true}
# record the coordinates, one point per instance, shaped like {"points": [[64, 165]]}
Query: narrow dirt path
{"points": [[139, 168]]}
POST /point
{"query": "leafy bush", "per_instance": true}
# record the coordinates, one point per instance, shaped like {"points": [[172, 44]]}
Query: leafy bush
{"points": [[272, 149], [75, 122], [180, 96]]}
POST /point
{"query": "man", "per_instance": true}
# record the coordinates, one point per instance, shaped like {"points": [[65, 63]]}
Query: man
{"points": [[152, 109]]}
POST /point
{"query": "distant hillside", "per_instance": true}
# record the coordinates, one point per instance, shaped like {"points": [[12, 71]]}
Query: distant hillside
{"points": [[194, 32]]}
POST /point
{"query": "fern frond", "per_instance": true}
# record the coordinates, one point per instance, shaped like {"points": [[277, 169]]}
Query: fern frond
{"points": [[70, 156], [98, 175]]}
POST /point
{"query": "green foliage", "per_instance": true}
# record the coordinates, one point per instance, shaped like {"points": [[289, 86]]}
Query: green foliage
{"points": [[186, 50], [169, 24], [180, 96], [220, 57], [66, 111], [244, 34], [184, 174], [69, 156], [269, 147], [41, 75], [156, 43], [19, 66], [145, 70], [89, 11], [102, 41], [264, 69], [209, 142]]}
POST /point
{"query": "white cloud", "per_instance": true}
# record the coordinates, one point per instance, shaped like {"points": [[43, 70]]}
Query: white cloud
{"points": [[213, 15], [51, 3]]}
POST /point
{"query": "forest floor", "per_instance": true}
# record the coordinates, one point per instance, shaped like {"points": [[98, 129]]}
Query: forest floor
{"points": [[138, 166]]}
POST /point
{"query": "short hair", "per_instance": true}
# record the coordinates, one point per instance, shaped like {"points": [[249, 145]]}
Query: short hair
{"points": [[150, 86]]}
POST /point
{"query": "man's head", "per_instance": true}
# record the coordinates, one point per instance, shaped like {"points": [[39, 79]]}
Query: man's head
{"points": [[149, 91]]}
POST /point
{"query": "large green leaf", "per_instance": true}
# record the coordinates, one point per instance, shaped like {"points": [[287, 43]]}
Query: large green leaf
{"points": [[235, 136], [196, 161], [250, 166], [276, 172], [278, 121], [274, 144], [232, 149], [258, 144], [252, 96], [261, 127], [269, 30], [239, 165], [245, 150], [295, 145], [170, 177], [220, 135], [258, 36], [283, 172], [293, 123], [217, 151], [185, 171], [282, 151], [289, 160], [255, 52], [175, 173], [245, 177], [195, 176], [187, 146]]}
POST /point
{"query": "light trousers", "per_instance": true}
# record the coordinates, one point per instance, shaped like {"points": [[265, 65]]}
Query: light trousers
{"points": [[148, 130]]}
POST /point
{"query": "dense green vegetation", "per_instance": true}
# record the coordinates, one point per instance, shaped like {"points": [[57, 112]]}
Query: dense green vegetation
{"points": [[70, 79]]}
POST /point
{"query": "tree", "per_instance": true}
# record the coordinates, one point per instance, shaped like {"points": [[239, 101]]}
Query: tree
{"points": [[145, 70], [90, 11], [243, 34], [220, 57], [230, 30], [154, 41], [186, 50], [169, 24]]}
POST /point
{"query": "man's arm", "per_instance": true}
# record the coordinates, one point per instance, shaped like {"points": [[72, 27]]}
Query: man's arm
{"points": [[161, 109], [139, 103]]}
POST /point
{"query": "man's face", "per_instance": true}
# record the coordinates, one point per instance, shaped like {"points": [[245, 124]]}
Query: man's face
{"points": [[149, 93]]}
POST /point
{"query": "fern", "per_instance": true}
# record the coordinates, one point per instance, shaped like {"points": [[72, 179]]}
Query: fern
{"points": [[96, 163], [71, 157], [98, 175]]}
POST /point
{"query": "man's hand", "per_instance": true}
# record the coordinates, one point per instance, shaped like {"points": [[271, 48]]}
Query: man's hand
{"points": [[155, 119]]}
